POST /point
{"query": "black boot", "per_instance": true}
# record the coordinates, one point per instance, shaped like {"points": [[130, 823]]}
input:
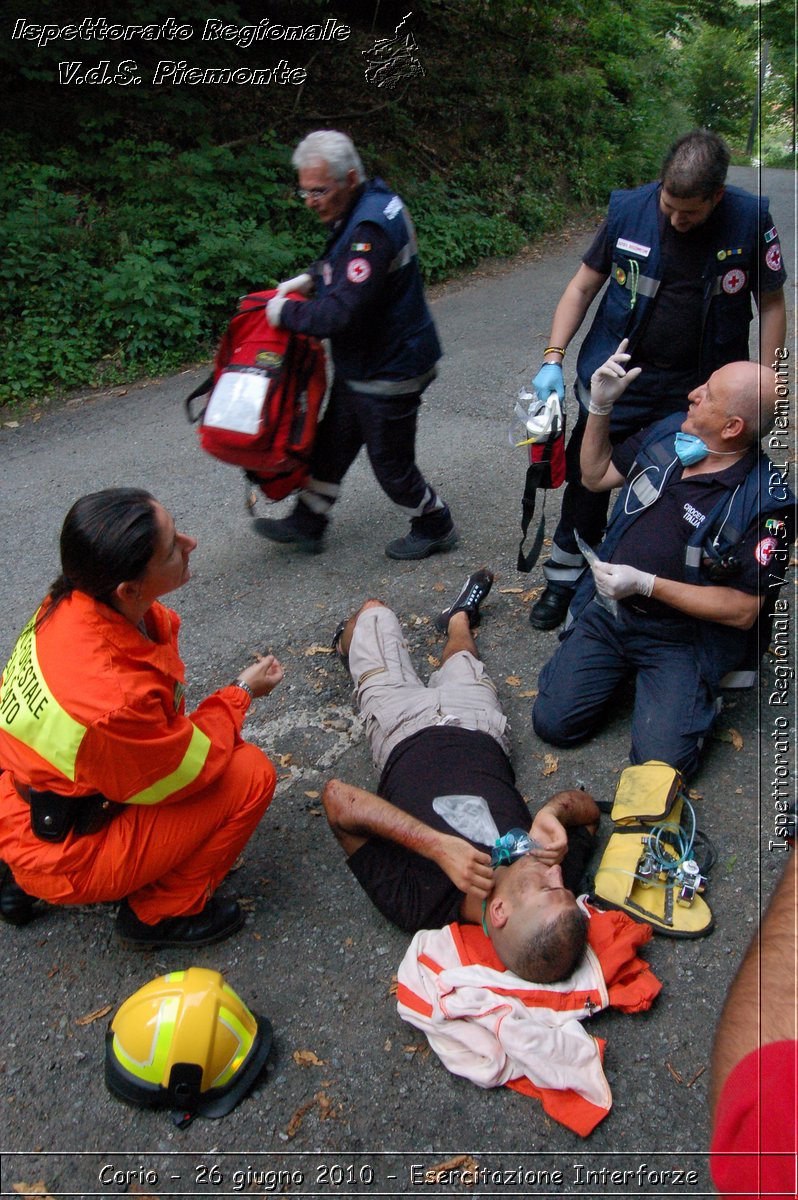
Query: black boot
{"points": [[218, 919], [429, 534], [16, 906], [552, 607], [302, 528]]}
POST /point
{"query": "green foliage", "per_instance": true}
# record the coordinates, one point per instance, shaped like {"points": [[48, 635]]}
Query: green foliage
{"points": [[133, 263], [721, 78], [452, 231], [131, 225]]}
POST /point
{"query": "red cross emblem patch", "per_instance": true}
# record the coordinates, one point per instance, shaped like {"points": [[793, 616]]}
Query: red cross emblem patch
{"points": [[773, 257], [358, 270], [733, 281]]}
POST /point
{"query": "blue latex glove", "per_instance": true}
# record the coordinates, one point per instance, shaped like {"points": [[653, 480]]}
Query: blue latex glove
{"points": [[549, 379]]}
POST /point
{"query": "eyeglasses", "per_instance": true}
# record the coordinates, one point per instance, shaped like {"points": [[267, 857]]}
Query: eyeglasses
{"points": [[314, 193]]}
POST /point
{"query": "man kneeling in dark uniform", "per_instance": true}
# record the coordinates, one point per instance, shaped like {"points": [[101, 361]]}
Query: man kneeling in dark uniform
{"points": [[448, 740]]}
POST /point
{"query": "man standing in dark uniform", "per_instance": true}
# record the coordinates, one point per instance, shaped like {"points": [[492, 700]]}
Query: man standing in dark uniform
{"points": [[369, 301], [683, 257]]}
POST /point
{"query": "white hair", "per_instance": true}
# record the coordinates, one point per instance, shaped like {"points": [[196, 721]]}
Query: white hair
{"points": [[333, 148]]}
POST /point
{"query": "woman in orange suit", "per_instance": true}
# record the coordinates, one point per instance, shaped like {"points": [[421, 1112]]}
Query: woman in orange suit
{"points": [[109, 791]]}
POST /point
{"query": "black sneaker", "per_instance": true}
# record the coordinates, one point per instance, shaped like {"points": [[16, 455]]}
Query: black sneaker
{"points": [[336, 643], [468, 600], [551, 609], [218, 919], [420, 545]]}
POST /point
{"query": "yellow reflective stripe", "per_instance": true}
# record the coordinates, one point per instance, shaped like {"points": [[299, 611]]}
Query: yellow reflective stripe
{"points": [[152, 1069], [191, 766], [30, 712], [244, 1039]]}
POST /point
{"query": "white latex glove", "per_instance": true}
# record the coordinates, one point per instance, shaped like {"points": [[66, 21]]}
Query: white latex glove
{"points": [[617, 581], [610, 381], [273, 310], [300, 283]]}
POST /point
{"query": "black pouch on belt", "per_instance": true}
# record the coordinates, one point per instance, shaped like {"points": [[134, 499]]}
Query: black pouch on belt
{"points": [[52, 817]]}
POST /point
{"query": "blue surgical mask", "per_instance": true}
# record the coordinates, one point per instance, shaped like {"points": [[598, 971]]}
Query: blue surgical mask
{"points": [[689, 448]]}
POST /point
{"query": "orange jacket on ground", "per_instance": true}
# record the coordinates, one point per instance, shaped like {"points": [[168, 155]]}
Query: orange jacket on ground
{"points": [[492, 1027]]}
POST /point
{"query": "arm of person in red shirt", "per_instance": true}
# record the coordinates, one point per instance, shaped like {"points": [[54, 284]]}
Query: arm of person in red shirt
{"points": [[760, 1007]]}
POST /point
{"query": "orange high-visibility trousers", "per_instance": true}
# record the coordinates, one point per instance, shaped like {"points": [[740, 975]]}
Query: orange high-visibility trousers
{"points": [[167, 859]]}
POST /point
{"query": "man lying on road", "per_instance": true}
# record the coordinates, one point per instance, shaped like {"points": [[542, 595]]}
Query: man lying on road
{"points": [[448, 740]]}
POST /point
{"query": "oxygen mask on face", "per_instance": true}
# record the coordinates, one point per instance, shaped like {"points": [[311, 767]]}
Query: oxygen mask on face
{"points": [[514, 845]]}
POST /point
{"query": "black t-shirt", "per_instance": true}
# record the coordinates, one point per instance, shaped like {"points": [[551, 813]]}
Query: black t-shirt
{"points": [[656, 540], [443, 760], [671, 335]]}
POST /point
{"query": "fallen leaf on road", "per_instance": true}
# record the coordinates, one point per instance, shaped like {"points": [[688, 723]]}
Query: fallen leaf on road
{"points": [[463, 1163], [692, 794], [433, 661], [94, 1016], [312, 795], [439, 587], [285, 760], [310, 650], [513, 681], [327, 1110], [529, 694], [511, 591], [730, 735], [307, 1058], [550, 764], [421, 1048], [532, 594], [32, 1189], [293, 1127], [135, 1190]]}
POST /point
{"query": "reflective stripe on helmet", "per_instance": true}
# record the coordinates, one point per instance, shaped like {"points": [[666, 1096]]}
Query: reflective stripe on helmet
{"points": [[152, 1068], [244, 1039]]}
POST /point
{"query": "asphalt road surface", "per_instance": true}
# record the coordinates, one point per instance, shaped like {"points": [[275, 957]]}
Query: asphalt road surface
{"points": [[314, 955]]}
